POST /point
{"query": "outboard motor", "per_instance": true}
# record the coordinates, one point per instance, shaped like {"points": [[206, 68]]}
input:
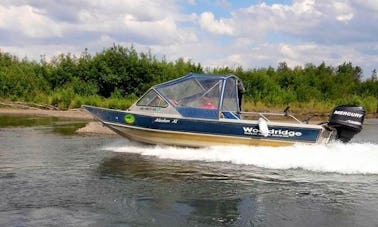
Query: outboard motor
{"points": [[347, 120]]}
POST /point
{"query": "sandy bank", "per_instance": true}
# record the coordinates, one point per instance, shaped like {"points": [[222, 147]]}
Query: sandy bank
{"points": [[73, 113]]}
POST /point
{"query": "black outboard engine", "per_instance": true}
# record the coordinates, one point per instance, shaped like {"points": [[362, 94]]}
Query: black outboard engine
{"points": [[347, 120]]}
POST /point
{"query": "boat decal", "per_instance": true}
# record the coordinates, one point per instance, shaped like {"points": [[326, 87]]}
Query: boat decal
{"points": [[129, 119], [272, 132], [166, 121]]}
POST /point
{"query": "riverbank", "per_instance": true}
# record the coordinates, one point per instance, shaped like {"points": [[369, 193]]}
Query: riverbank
{"points": [[72, 113]]}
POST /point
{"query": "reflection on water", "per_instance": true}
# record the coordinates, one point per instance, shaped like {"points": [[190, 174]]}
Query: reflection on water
{"points": [[24, 121], [50, 179], [188, 192], [61, 126]]}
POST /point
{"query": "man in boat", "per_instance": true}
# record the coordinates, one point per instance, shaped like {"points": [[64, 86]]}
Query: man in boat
{"points": [[241, 91], [206, 103]]}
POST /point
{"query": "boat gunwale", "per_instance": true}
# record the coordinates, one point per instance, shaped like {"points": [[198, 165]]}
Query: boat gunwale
{"points": [[238, 121]]}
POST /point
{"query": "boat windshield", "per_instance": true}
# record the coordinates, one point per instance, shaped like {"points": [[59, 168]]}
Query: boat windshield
{"points": [[195, 92], [151, 98]]}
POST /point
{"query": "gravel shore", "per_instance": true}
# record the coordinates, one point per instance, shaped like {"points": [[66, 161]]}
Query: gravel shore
{"points": [[95, 127]]}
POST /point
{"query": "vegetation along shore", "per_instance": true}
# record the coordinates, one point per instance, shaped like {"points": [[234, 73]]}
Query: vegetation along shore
{"points": [[115, 77]]}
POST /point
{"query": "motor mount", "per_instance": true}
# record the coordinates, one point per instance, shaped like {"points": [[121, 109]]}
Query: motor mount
{"points": [[347, 120]]}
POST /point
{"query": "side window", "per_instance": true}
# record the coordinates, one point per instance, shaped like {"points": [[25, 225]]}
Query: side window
{"points": [[151, 98], [230, 98]]}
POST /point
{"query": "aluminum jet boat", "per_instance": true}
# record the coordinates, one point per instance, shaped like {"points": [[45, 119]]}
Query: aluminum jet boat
{"points": [[199, 110]]}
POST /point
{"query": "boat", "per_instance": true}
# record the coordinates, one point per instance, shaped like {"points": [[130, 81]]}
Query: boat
{"points": [[200, 110]]}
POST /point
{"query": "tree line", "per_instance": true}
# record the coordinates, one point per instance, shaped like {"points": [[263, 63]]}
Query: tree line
{"points": [[116, 76]]}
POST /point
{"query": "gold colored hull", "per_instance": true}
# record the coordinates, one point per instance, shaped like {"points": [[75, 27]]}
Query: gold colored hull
{"points": [[152, 136]]}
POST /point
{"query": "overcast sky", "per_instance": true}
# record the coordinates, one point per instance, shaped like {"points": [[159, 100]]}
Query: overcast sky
{"points": [[251, 34]]}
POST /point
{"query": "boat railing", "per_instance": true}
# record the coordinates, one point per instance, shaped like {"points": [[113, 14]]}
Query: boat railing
{"points": [[265, 114]]}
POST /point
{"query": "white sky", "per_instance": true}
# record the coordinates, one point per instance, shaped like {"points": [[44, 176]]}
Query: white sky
{"points": [[251, 34]]}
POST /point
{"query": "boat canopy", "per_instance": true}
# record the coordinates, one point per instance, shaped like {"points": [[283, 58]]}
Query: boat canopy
{"points": [[197, 95]]}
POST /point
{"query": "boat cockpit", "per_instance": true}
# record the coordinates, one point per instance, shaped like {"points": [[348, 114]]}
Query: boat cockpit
{"points": [[196, 96]]}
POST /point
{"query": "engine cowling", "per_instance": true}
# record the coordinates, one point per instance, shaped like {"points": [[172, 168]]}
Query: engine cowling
{"points": [[347, 120]]}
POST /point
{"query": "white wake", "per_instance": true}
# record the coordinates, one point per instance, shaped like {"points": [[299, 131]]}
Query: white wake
{"points": [[354, 158]]}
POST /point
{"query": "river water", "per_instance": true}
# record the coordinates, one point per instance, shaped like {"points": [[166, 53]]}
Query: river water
{"points": [[50, 176]]}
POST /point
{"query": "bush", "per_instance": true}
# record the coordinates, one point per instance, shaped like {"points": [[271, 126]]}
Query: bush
{"points": [[371, 104], [117, 73], [62, 98]]}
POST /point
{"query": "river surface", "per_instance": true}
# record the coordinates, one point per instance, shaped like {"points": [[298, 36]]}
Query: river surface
{"points": [[51, 176]]}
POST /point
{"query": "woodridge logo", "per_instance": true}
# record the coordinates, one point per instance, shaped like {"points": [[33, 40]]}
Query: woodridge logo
{"points": [[272, 132]]}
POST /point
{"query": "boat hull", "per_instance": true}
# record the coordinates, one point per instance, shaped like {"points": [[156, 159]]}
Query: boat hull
{"points": [[189, 139], [201, 133]]}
